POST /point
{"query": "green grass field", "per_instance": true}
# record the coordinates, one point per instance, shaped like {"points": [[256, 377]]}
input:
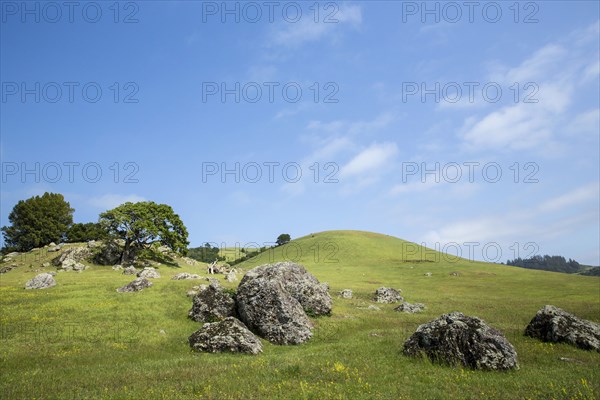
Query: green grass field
{"points": [[83, 340]]}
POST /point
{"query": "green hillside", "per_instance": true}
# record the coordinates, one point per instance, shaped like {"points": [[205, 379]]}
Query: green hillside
{"points": [[82, 339]]}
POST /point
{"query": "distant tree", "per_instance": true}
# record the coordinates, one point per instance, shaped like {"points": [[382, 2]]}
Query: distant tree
{"points": [[547, 263], [141, 224], [207, 253], [85, 232], [283, 239], [37, 222]]}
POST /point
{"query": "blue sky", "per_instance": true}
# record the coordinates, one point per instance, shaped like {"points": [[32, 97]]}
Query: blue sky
{"points": [[372, 95]]}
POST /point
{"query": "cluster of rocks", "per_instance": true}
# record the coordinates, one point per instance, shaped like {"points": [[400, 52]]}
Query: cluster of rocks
{"points": [[410, 308], [272, 300], [53, 247], [70, 259], [10, 256]]}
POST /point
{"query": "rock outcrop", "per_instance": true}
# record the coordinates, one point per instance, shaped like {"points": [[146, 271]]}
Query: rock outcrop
{"points": [[456, 339], [228, 335], [41, 281], [552, 324], [212, 303]]}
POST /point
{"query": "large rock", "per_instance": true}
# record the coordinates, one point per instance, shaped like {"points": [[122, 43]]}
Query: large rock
{"points": [[135, 285], [272, 299], [229, 335], [71, 265], [212, 303], [552, 324], [457, 339], [41, 281], [148, 272], [387, 295]]}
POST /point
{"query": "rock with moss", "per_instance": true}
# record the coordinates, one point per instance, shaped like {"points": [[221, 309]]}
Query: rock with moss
{"points": [[460, 340], [229, 335], [553, 324], [212, 303]]}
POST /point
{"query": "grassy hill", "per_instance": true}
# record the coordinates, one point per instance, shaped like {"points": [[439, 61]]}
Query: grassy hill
{"points": [[82, 339]]}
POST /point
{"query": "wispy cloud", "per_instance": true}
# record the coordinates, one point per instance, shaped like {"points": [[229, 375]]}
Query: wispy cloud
{"points": [[109, 201], [370, 160]]}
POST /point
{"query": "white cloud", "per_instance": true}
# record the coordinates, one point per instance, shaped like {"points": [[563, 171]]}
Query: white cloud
{"points": [[370, 160], [307, 30], [109, 201], [585, 123], [572, 198]]}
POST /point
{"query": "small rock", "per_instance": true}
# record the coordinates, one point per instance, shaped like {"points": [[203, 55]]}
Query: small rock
{"points": [[41, 281], [117, 267], [8, 268], [454, 274], [388, 295], [148, 272], [428, 274], [185, 275], [346, 294], [410, 308], [135, 285], [231, 276], [45, 265], [373, 308], [229, 335], [130, 271]]}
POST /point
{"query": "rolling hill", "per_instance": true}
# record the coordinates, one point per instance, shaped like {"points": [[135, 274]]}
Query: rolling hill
{"points": [[81, 339]]}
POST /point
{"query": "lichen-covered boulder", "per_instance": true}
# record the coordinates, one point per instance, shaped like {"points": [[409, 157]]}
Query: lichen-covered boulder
{"points": [[135, 285], [552, 324], [388, 295], [228, 335], [456, 339], [41, 281], [212, 303], [131, 270], [272, 307]]}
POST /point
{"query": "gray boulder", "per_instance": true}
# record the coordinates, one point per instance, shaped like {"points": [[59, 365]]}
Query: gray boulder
{"points": [[70, 259], [211, 303], [346, 294], [41, 281], [8, 268], [228, 335], [266, 306], [231, 276], [388, 295], [456, 339], [148, 272], [135, 285], [552, 324], [70, 264], [410, 308]]}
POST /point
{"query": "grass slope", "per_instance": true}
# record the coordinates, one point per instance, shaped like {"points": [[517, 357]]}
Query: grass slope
{"points": [[81, 339]]}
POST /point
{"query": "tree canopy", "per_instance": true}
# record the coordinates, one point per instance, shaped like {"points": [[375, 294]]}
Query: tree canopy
{"points": [[143, 223], [283, 239], [38, 221], [84, 232]]}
